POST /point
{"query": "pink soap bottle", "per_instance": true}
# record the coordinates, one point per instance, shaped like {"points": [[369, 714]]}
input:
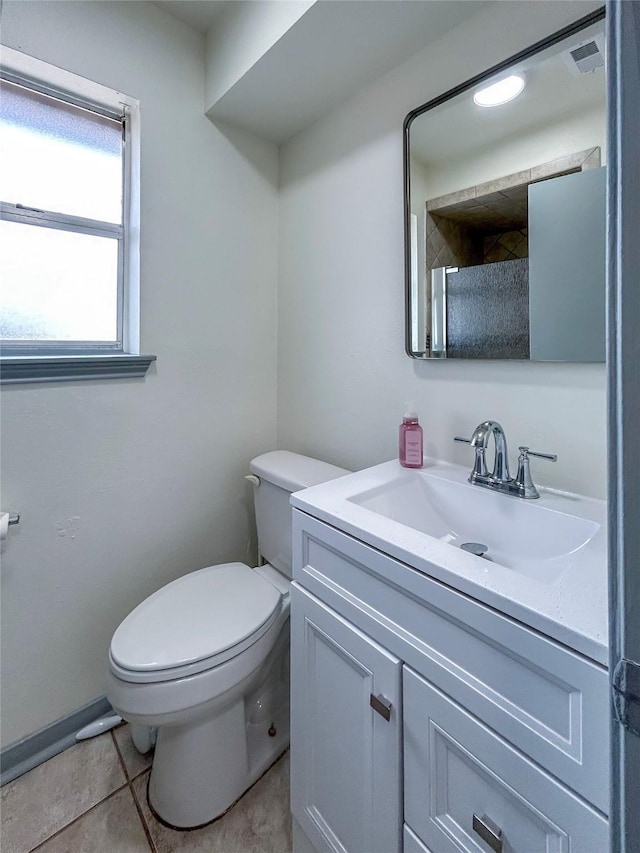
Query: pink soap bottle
{"points": [[410, 442]]}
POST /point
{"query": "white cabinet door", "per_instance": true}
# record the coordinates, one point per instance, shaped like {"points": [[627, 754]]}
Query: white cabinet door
{"points": [[466, 789], [345, 754]]}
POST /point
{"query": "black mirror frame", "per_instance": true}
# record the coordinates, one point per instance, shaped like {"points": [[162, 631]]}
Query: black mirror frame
{"points": [[543, 44]]}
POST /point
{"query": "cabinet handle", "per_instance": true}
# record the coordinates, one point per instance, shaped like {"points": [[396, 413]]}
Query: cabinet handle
{"points": [[381, 706], [488, 832]]}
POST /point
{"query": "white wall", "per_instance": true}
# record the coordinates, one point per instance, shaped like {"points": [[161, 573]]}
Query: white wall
{"points": [[573, 134], [241, 36], [127, 484], [343, 377]]}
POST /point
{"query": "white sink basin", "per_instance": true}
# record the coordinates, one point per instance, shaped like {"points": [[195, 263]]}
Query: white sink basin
{"points": [[519, 534], [546, 559]]}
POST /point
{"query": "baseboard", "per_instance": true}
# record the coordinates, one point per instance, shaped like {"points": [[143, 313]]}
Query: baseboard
{"points": [[33, 750]]}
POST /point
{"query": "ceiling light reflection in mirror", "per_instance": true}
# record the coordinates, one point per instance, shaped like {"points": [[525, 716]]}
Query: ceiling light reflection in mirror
{"points": [[501, 92]]}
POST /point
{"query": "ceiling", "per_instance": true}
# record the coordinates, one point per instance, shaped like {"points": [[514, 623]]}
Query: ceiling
{"points": [[199, 14], [334, 49]]}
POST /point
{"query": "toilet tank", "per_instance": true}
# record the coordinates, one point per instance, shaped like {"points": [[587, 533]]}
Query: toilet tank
{"points": [[281, 473]]}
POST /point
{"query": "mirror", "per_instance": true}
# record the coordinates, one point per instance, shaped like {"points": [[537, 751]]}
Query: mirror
{"points": [[505, 209]]}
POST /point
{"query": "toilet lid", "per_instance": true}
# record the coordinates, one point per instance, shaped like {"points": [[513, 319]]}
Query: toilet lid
{"points": [[194, 618]]}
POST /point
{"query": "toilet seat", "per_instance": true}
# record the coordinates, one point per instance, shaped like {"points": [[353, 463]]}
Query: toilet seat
{"points": [[194, 624]]}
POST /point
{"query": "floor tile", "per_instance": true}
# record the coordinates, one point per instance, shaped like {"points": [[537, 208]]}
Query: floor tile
{"points": [[258, 823], [113, 826], [134, 762], [46, 799]]}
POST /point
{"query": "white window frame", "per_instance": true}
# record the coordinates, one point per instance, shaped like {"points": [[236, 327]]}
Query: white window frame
{"points": [[33, 361]]}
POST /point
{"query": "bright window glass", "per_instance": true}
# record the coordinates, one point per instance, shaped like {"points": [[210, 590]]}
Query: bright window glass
{"points": [[59, 157], [57, 285]]}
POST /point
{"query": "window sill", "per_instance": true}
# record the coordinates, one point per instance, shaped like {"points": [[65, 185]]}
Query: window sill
{"points": [[64, 368]]}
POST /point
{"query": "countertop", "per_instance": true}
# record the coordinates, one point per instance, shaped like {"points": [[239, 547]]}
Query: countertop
{"points": [[569, 605]]}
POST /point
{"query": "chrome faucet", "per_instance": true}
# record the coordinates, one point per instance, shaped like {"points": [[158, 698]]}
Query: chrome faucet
{"points": [[500, 480]]}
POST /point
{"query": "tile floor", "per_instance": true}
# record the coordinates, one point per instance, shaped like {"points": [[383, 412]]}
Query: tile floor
{"points": [[92, 799]]}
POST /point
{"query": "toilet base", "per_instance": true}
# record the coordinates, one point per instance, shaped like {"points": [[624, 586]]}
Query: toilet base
{"points": [[203, 765], [199, 771], [219, 817]]}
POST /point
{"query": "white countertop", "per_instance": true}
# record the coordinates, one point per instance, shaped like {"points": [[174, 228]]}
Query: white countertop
{"points": [[570, 604]]}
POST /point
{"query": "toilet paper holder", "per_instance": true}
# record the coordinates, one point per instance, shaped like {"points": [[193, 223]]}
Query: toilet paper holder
{"points": [[7, 519]]}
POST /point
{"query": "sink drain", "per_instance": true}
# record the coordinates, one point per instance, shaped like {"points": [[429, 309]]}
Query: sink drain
{"points": [[476, 548]]}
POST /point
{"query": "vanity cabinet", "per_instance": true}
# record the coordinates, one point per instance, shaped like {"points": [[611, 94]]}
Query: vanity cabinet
{"points": [[345, 782], [497, 737]]}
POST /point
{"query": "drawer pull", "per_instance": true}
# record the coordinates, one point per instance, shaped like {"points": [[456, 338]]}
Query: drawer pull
{"points": [[488, 832], [381, 706]]}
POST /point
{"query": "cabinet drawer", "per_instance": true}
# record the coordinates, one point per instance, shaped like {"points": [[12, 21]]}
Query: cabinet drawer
{"points": [[458, 773], [548, 701]]}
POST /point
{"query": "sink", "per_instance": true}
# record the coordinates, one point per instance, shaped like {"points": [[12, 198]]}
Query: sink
{"points": [[520, 535], [546, 559]]}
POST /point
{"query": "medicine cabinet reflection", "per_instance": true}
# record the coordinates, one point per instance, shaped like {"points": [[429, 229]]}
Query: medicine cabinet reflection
{"points": [[505, 210]]}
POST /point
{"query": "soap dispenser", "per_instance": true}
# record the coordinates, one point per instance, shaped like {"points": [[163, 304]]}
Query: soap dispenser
{"points": [[410, 442]]}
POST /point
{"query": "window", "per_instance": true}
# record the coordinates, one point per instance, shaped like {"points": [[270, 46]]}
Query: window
{"points": [[68, 260]]}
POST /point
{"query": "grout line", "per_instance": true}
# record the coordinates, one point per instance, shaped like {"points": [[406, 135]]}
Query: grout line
{"points": [[79, 817], [130, 781], [140, 773], [145, 826], [120, 757], [127, 772]]}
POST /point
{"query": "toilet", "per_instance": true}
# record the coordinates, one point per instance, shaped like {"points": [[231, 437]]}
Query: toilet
{"points": [[205, 661]]}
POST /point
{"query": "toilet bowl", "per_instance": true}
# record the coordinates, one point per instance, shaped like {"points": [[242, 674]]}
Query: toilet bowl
{"points": [[197, 687], [205, 660]]}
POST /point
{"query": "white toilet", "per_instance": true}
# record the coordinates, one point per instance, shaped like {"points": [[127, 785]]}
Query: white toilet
{"points": [[205, 659]]}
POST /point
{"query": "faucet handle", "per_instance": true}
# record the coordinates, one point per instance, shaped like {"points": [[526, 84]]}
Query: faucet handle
{"points": [[525, 451], [523, 482], [480, 462]]}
